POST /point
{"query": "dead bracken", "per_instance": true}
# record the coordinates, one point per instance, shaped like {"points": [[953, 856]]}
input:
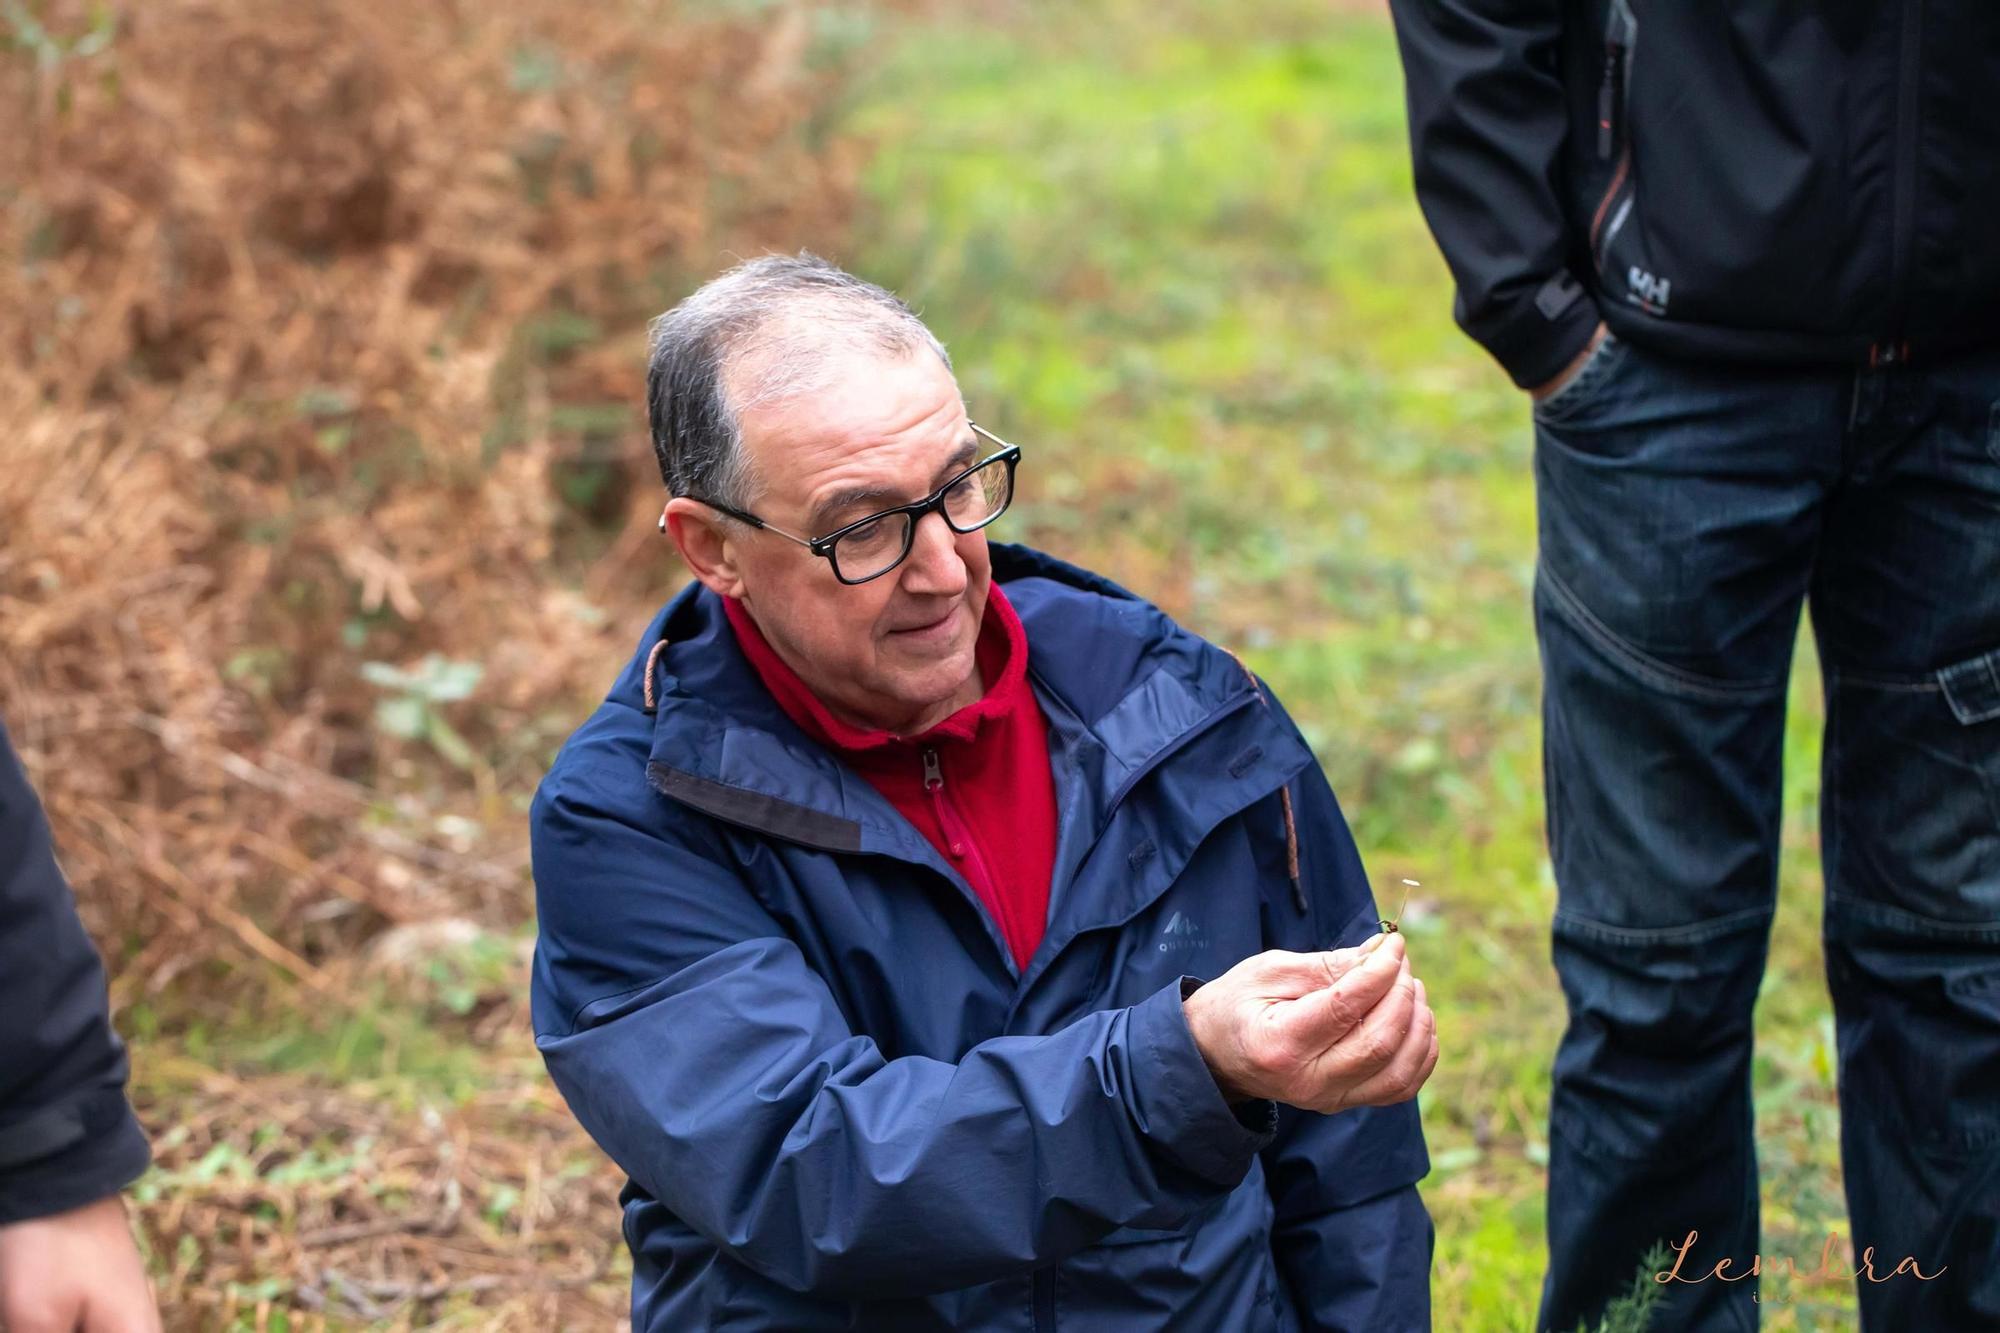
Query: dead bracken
{"points": [[321, 344]]}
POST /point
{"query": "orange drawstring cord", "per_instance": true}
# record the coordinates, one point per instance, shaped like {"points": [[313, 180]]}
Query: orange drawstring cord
{"points": [[653, 661]]}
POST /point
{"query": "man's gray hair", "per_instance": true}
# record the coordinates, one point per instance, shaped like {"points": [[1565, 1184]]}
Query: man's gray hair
{"points": [[766, 330]]}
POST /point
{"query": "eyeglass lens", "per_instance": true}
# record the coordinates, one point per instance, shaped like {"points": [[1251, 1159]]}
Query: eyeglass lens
{"points": [[878, 546]]}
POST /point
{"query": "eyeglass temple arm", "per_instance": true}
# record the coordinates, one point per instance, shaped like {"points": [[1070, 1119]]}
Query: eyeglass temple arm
{"points": [[981, 430], [746, 516]]}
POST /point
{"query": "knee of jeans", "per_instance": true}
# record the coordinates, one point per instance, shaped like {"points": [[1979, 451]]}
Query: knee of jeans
{"points": [[1657, 1051], [1918, 1001], [1663, 993]]}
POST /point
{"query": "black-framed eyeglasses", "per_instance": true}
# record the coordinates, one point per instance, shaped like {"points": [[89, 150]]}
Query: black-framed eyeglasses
{"points": [[870, 547]]}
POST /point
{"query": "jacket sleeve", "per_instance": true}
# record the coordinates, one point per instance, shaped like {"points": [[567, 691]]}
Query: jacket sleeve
{"points": [[1351, 1237], [1488, 123], [67, 1134], [696, 1044]]}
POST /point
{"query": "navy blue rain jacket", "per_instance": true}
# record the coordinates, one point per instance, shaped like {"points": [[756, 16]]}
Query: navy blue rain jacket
{"points": [[67, 1134], [840, 1103]]}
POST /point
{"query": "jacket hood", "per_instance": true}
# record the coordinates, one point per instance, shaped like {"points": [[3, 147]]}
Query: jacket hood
{"points": [[1108, 667]]}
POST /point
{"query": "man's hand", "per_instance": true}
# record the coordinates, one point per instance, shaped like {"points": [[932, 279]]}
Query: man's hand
{"points": [[1322, 1031], [1549, 388], [75, 1272]]}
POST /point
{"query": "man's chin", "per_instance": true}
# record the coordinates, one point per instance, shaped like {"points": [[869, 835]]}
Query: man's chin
{"points": [[926, 682]]}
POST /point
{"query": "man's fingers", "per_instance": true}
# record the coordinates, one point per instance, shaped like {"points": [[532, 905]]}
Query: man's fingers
{"points": [[1373, 1042], [1316, 1021], [1406, 1071]]}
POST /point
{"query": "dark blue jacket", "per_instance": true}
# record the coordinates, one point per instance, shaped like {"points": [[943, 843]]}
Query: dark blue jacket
{"points": [[67, 1135], [840, 1103]]}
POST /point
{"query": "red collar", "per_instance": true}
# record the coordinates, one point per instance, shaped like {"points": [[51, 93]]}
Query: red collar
{"points": [[1001, 652]]}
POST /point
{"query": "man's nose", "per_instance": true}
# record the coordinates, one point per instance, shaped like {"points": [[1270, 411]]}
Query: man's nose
{"points": [[934, 568]]}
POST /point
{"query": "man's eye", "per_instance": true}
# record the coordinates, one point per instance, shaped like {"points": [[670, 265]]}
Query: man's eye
{"points": [[871, 533]]}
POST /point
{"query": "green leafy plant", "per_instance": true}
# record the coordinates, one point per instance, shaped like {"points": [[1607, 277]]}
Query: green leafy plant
{"points": [[50, 50], [412, 711], [1633, 1312]]}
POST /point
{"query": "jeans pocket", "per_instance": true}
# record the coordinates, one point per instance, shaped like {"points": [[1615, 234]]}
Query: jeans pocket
{"points": [[1914, 792], [1564, 402], [1972, 688]]}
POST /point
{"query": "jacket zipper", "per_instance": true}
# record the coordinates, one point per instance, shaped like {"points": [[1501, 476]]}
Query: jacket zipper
{"points": [[1045, 1300], [1903, 203], [1611, 92], [1613, 128]]}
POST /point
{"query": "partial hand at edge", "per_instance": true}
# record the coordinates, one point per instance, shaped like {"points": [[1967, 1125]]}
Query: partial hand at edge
{"points": [[75, 1272]]}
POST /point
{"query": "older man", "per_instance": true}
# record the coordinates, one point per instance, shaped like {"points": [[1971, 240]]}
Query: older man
{"points": [[873, 898]]}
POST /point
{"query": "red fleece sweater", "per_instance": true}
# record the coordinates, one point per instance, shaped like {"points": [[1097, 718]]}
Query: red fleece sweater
{"points": [[977, 784]]}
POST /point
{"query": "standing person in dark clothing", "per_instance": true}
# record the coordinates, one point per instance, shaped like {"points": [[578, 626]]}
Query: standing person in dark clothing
{"points": [[68, 1139], [1746, 258]]}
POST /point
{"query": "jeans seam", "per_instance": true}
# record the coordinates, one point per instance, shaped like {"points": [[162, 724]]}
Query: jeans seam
{"points": [[1930, 927], [1668, 678], [1693, 932]]}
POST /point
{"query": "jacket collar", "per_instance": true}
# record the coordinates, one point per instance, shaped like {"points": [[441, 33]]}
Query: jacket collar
{"points": [[1001, 650], [1121, 684]]}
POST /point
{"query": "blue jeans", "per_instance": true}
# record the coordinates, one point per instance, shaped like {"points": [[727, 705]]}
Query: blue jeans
{"points": [[1687, 512]]}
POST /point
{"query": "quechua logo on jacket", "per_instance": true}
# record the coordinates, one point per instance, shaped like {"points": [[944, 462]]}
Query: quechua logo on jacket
{"points": [[1181, 935]]}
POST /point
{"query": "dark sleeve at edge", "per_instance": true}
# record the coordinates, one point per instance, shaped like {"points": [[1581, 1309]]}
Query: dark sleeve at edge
{"points": [[67, 1134]]}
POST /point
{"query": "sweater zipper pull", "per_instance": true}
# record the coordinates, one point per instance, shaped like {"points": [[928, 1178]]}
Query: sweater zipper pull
{"points": [[934, 784]]}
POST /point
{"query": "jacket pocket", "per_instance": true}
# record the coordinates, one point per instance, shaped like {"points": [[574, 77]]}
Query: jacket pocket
{"points": [[1572, 397]]}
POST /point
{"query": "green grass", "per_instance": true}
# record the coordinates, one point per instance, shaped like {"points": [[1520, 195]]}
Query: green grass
{"points": [[1175, 253]]}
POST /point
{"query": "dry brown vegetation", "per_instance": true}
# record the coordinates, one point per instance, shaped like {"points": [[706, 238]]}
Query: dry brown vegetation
{"points": [[320, 346]]}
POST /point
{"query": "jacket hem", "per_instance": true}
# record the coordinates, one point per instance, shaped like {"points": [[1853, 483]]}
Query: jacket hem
{"points": [[1777, 347]]}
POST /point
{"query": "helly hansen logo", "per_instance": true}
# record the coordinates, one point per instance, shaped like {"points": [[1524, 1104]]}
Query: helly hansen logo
{"points": [[1648, 292], [1181, 935]]}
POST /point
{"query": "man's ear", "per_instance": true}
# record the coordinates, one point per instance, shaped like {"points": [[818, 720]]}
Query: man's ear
{"points": [[706, 544]]}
